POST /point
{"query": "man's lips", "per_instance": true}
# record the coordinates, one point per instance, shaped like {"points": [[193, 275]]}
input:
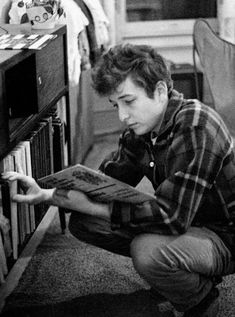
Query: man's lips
{"points": [[132, 125]]}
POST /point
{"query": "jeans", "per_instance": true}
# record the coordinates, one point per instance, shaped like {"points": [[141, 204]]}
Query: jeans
{"points": [[180, 267]]}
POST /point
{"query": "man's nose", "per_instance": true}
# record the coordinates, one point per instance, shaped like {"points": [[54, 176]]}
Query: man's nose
{"points": [[123, 114]]}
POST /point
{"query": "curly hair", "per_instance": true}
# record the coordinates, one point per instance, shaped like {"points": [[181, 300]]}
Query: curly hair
{"points": [[141, 62]]}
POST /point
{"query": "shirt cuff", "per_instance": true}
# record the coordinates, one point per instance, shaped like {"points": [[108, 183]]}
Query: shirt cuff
{"points": [[120, 214]]}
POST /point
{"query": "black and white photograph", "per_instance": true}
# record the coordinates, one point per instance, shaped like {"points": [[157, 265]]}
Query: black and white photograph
{"points": [[117, 158]]}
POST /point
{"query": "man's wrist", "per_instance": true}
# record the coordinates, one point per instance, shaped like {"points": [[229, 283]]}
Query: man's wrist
{"points": [[47, 195]]}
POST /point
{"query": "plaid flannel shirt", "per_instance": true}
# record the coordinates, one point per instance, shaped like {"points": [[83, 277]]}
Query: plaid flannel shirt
{"points": [[191, 167]]}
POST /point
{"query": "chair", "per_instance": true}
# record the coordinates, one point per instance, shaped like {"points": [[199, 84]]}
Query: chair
{"points": [[217, 58]]}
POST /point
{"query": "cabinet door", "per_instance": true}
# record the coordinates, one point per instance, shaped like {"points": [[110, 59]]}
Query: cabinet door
{"points": [[50, 72]]}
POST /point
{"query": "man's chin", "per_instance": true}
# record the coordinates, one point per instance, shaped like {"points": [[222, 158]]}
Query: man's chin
{"points": [[139, 131]]}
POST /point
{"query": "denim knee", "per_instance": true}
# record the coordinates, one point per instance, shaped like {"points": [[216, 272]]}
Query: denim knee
{"points": [[142, 257]]}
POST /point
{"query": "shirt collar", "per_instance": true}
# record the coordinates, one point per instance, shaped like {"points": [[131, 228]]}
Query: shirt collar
{"points": [[174, 104]]}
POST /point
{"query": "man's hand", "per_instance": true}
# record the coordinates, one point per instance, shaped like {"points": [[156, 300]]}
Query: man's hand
{"points": [[70, 199], [77, 200], [34, 194]]}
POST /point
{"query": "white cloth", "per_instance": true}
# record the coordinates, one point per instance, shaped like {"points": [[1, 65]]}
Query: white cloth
{"points": [[101, 22], [76, 21]]}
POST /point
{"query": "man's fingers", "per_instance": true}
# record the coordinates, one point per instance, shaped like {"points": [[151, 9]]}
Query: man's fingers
{"points": [[13, 176], [61, 192], [10, 176], [19, 168], [18, 198]]}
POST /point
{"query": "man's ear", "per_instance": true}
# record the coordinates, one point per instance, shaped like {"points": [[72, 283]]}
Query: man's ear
{"points": [[161, 89]]}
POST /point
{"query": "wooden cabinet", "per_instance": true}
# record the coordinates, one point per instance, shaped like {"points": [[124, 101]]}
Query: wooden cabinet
{"points": [[50, 72], [31, 81]]}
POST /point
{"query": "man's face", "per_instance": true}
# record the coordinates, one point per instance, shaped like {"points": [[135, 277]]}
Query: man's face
{"points": [[139, 112]]}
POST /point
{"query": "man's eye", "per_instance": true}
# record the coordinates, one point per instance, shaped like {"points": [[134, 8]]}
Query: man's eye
{"points": [[128, 102], [115, 105]]}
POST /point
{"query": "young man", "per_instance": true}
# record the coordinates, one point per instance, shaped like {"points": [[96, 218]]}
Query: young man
{"points": [[182, 242]]}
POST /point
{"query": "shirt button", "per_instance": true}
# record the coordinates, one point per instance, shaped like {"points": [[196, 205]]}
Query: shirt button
{"points": [[151, 164]]}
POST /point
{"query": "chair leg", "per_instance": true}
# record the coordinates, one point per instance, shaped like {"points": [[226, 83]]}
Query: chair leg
{"points": [[195, 73]]}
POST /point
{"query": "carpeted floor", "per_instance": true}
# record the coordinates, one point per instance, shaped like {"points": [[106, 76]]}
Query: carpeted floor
{"points": [[67, 277], [70, 278]]}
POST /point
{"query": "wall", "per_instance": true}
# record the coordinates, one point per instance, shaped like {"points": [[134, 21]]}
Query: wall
{"points": [[81, 117]]}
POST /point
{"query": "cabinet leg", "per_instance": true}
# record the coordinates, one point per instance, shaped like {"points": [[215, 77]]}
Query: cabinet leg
{"points": [[62, 220]]}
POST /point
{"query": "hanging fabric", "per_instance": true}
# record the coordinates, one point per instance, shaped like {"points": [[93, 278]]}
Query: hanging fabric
{"points": [[101, 22]]}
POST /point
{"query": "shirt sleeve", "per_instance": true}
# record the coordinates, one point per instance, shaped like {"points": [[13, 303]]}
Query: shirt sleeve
{"points": [[193, 161], [122, 164]]}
